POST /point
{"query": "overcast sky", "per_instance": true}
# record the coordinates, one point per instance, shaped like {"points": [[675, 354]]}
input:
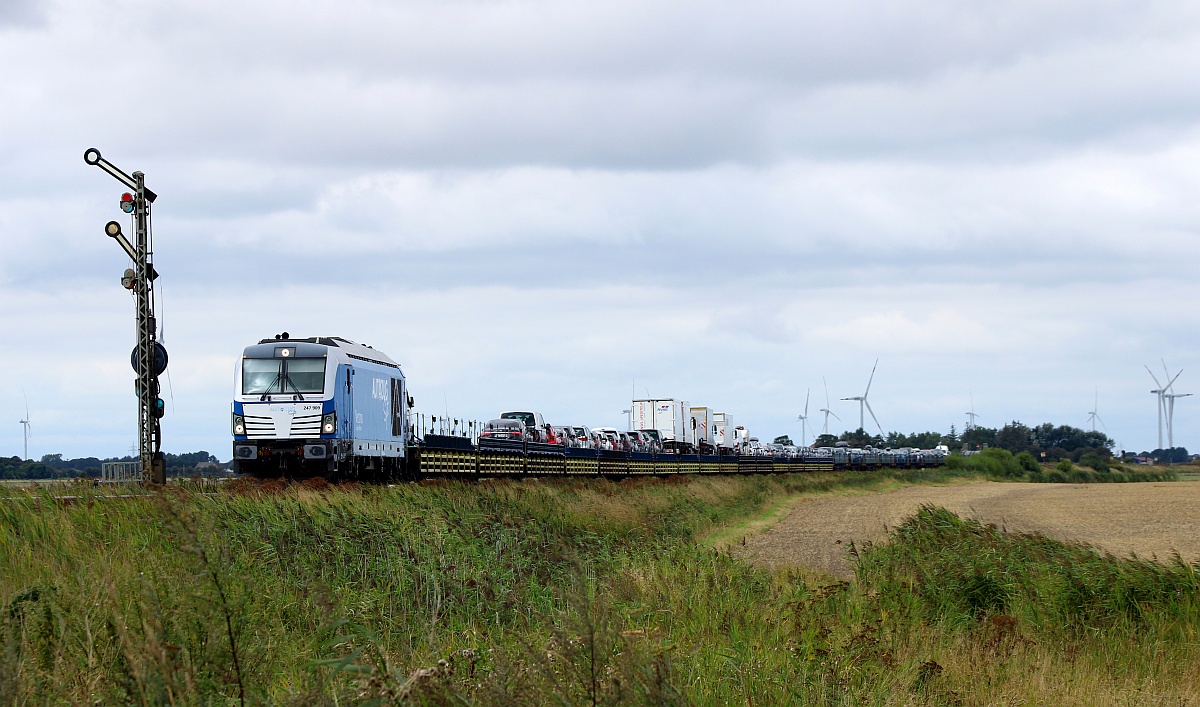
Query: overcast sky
{"points": [[553, 205]]}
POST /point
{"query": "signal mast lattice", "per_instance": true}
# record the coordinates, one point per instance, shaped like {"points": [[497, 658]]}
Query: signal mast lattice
{"points": [[147, 354]]}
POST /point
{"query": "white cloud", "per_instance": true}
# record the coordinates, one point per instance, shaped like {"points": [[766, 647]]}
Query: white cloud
{"points": [[542, 202]]}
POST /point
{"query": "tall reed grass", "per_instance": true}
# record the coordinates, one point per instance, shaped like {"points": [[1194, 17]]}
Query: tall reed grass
{"points": [[555, 591]]}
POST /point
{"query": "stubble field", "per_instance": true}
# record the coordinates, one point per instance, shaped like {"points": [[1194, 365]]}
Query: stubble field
{"points": [[1151, 520]]}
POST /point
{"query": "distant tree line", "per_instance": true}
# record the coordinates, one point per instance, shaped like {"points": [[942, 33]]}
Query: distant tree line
{"points": [[53, 466], [893, 440], [1045, 442], [1173, 455]]}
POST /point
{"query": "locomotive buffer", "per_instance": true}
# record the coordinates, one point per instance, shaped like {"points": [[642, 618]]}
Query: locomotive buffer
{"points": [[149, 358]]}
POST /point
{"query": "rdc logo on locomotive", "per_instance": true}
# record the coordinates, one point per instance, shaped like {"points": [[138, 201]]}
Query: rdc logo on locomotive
{"points": [[379, 389]]}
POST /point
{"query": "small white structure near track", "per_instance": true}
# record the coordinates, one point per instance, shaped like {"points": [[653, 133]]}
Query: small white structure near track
{"points": [[120, 472]]}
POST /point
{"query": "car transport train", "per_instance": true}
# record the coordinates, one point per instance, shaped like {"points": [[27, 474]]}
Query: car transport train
{"points": [[327, 406]]}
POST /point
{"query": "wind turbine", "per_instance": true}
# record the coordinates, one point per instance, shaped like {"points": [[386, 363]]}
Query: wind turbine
{"points": [[826, 410], [1164, 392], [1158, 392], [25, 424], [804, 420], [1169, 404], [863, 403], [971, 415], [1094, 415]]}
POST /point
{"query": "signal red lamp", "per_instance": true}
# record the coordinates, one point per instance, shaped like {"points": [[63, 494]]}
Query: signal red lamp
{"points": [[127, 202]]}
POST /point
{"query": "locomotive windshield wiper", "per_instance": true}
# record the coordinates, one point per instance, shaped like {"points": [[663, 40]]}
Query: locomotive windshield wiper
{"points": [[269, 387], [287, 380], [298, 395]]}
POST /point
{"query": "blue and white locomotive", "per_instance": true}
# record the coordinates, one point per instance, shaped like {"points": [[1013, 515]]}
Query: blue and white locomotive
{"points": [[319, 406]]}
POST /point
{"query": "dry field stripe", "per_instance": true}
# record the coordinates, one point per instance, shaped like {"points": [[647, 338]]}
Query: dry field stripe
{"points": [[772, 513]]}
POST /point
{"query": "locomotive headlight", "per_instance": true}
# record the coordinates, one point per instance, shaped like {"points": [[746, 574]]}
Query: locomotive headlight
{"points": [[329, 423], [239, 425]]}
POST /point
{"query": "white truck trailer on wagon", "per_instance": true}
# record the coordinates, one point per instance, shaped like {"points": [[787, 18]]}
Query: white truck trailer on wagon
{"points": [[670, 419], [703, 429], [722, 434]]}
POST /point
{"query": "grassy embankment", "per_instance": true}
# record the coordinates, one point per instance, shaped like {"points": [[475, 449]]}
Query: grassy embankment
{"points": [[574, 592]]}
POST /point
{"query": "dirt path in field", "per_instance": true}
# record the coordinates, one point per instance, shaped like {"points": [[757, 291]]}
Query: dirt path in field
{"points": [[1148, 519]]}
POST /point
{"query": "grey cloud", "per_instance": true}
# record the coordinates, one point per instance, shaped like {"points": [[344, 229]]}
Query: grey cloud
{"points": [[663, 87], [815, 44], [724, 202], [22, 14], [1093, 216]]}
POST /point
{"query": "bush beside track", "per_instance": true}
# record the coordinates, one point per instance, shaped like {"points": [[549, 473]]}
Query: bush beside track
{"points": [[1003, 465]]}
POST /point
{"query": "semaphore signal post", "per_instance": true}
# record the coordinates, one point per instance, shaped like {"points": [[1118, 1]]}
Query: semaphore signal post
{"points": [[149, 357]]}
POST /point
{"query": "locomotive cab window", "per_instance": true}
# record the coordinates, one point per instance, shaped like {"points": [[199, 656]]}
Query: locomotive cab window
{"points": [[261, 375], [304, 375], [277, 376]]}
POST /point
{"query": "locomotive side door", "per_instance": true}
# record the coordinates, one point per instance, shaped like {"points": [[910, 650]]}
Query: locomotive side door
{"points": [[399, 396], [345, 402]]}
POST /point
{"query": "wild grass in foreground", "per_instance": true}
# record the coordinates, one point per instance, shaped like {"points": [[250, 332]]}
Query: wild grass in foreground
{"points": [[567, 592]]}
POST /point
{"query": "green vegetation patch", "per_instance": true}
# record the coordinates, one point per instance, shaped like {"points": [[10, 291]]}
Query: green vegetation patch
{"points": [[956, 571], [558, 591], [1003, 465], [317, 595]]}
